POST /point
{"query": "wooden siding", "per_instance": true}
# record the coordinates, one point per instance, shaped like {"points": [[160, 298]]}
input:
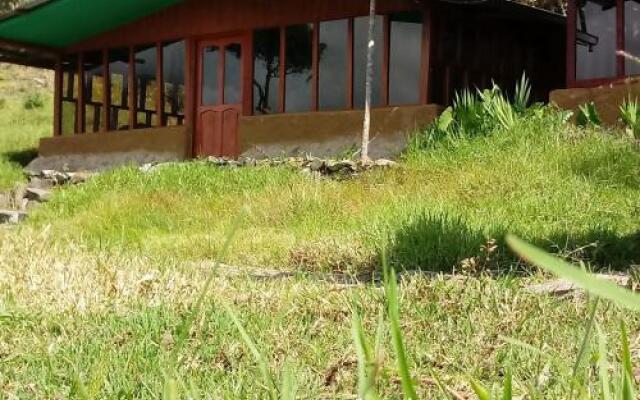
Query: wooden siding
{"points": [[205, 17]]}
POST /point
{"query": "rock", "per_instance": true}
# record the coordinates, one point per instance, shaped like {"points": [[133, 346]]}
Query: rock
{"points": [[6, 200], [12, 216], [342, 166], [38, 195], [77, 178], [316, 165], [59, 178], [41, 183], [19, 192], [384, 163], [561, 287]]}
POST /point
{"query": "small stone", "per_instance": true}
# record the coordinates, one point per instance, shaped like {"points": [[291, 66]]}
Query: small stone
{"points": [[19, 192], [39, 195], [41, 183], [77, 178], [316, 165], [384, 163], [342, 166], [12, 216]]}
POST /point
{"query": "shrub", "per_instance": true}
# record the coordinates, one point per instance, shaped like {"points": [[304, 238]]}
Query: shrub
{"points": [[33, 101], [475, 113], [588, 116], [630, 116]]}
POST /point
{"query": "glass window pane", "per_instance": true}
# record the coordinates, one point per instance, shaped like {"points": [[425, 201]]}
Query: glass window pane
{"points": [[360, 43], [596, 39], [232, 77], [93, 86], [632, 35], [299, 42], [146, 85], [405, 58], [119, 74], [210, 65], [173, 61], [332, 90], [68, 117], [266, 75], [69, 94]]}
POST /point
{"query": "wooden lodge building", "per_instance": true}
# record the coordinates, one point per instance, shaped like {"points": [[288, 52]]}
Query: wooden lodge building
{"points": [[174, 79]]}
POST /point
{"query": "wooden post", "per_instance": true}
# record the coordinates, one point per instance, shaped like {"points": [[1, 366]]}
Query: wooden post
{"points": [[160, 85], [350, 64], [571, 43], [425, 67], [315, 66], [386, 58], [132, 89], [57, 102], [283, 71], [80, 128], [620, 38], [106, 91]]}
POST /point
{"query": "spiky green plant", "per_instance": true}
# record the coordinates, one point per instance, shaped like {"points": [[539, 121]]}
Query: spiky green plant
{"points": [[630, 117], [522, 94], [588, 115]]}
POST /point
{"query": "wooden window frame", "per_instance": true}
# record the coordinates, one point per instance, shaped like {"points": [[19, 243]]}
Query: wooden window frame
{"points": [[572, 58], [81, 101], [425, 63]]}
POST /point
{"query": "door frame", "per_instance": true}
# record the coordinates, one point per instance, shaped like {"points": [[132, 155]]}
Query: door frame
{"points": [[244, 38]]}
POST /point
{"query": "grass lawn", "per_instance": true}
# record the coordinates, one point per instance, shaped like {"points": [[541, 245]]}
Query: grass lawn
{"points": [[561, 188], [21, 128], [100, 289]]}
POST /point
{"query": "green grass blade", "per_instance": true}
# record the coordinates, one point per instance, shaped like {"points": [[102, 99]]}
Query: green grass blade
{"points": [[584, 345], [391, 289], [605, 289], [628, 392], [289, 384], [263, 366], [603, 366], [480, 391], [507, 392], [170, 390]]}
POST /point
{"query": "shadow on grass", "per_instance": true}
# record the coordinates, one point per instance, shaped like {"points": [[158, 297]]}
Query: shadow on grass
{"points": [[434, 243], [22, 157]]}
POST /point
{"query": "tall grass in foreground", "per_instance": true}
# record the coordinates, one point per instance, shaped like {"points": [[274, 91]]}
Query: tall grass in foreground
{"points": [[617, 386]]}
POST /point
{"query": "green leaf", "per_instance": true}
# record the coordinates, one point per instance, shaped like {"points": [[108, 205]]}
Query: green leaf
{"points": [[603, 365], [605, 289], [480, 391], [628, 392], [507, 393], [391, 290], [267, 378]]}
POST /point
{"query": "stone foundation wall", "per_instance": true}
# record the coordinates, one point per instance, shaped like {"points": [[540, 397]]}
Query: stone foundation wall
{"points": [[606, 98], [327, 134]]}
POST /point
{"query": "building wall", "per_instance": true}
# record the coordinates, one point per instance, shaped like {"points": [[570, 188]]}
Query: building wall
{"points": [[208, 17], [327, 134], [607, 98]]}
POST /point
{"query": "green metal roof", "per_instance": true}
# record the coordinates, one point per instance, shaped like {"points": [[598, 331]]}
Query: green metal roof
{"points": [[61, 23]]}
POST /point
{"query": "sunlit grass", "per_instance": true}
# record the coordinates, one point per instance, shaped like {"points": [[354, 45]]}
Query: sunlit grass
{"points": [[559, 187]]}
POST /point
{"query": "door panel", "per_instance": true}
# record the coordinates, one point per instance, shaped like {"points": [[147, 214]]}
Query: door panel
{"points": [[219, 100]]}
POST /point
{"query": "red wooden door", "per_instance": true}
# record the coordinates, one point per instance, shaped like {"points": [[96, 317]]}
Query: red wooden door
{"points": [[219, 97]]}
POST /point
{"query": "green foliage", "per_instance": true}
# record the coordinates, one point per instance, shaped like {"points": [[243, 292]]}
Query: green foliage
{"points": [[522, 94], [630, 116], [34, 101], [476, 113], [621, 385], [588, 115]]}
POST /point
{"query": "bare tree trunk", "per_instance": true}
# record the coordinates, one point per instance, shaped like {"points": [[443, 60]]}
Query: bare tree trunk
{"points": [[364, 153]]}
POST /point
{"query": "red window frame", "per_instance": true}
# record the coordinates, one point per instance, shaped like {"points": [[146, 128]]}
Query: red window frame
{"points": [[572, 26]]}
